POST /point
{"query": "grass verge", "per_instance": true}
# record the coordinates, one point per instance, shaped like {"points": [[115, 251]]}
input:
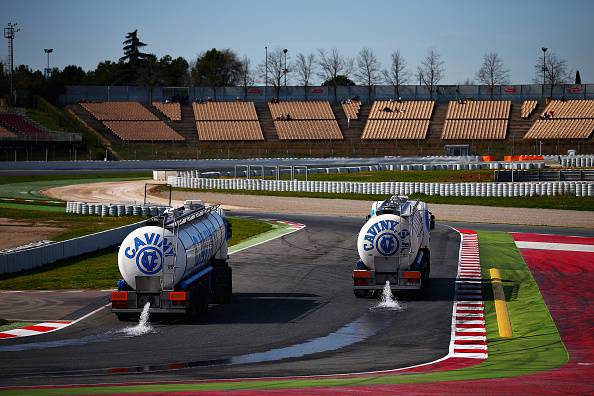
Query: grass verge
{"points": [[72, 225], [536, 345], [99, 270], [557, 202]]}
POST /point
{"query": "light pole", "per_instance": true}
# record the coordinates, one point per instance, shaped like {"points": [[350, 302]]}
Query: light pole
{"points": [[285, 70], [265, 72], [9, 33], [48, 51], [544, 68]]}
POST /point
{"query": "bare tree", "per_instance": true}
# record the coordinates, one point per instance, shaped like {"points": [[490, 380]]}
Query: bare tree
{"points": [[555, 73], [245, 75], [368, 69], [304, 68], [398, 74], [492, 72], [431, 71], [276, 69], [332, 65]]}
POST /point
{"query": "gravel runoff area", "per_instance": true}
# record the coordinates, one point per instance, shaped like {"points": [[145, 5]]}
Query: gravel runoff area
{"points": [[133, 191]]}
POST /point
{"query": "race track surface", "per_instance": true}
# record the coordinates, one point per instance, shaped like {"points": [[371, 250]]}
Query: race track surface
{"points": [[286, 292]]}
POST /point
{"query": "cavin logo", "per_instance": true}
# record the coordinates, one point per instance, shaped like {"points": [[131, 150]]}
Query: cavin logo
{"points": [[148, 252]]}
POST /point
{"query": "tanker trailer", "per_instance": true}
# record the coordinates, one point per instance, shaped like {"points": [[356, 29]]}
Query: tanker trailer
{"points": [[177, 263], [394, 246]]}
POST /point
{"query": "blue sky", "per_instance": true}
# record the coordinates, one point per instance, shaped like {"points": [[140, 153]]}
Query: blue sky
{"points": [[86, 32]]}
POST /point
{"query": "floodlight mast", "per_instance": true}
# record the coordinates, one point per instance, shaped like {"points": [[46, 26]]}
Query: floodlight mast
{"points": [[9, 34]]}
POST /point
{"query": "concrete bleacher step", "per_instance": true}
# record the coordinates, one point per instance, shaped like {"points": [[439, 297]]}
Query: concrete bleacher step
{"points": [[355, 128], [187, 126], [266, 122]]}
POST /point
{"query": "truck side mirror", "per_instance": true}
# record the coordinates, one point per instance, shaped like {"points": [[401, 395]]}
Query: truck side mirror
{"points": [[432, 222]]}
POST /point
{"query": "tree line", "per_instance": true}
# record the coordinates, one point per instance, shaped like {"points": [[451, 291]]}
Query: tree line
{"points": [[224, 67]]}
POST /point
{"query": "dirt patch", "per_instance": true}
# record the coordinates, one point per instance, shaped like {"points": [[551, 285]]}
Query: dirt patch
{"points": [[18, 232]]}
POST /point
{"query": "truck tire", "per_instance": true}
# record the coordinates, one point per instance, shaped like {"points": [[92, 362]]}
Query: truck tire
{"points": [[223, 285], [198, 309]]}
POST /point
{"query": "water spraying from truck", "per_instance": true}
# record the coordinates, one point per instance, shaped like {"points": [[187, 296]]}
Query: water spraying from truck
{"points": [[387, 300], [143, 326]]}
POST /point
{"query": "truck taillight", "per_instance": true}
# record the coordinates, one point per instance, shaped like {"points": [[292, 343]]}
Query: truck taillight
{"points": [[361, 277], [177, 296], [119, 296], [412, 276]]}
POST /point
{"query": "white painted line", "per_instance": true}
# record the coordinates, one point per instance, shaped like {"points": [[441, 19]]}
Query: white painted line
{"points": [[554, 246]]}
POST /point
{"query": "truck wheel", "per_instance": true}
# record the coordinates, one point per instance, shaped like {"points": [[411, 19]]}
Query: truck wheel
{"points": [[198, 309], [223, 285]]}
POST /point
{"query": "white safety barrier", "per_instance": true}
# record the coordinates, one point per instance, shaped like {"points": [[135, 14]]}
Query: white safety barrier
{"points": [[577, 161], [120, 210], [518, 189]]}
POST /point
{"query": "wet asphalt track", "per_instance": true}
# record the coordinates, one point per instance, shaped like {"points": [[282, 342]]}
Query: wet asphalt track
{"points": [[286, 292]]}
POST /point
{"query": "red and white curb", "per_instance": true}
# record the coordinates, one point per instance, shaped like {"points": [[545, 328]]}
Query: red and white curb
{"points": [[292, 225], [469, 337], [36, 329]]}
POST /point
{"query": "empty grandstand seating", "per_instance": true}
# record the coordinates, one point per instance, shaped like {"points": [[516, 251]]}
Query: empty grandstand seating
{"points": [[227, 121], [308, 130], [528, 107], [571, 119], [169, 110], [396, 129], [410, 110], [21, 125], [561, 129], [5, 133], [308, 121], [229, 130], [351, 109], [119, 111], [225, 111], [143, 131], [316, 110], [477, 120], [398, 120]]}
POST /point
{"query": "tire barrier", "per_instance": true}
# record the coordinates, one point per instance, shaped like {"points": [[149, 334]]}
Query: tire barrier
{"points": [[577, 161], [114, 210], [197, 174], [518, 189]]}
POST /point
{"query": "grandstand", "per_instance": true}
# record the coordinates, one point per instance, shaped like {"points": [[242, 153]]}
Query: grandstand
{"points": [[485, 126], [398, 120], [476, 120], [305, 121], [21, 126], [227, 121], [528, 106], [119, 111], [170, 110], [572, 119], [351, 108], [143, 131]]}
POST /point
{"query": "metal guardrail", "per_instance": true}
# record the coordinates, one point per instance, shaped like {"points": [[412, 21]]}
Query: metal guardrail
{"points": [[544, 175], [38, 256]]}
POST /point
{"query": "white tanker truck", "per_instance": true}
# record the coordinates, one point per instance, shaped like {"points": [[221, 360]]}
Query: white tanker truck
{"points": [[394, 246], [177, 263]]}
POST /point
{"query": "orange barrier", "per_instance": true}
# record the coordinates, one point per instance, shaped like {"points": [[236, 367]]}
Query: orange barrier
{"points": [[517, 158], [488, 158]]}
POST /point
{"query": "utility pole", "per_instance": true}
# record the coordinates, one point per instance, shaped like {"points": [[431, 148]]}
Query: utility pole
{"points": [[265, 72], [9, 34]]}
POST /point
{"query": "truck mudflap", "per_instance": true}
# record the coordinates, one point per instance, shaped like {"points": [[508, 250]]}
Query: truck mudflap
{"points": [[402, 280]]}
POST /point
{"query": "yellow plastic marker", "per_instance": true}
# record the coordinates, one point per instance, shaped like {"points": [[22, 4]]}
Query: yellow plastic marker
{"points": [[503, 321]]}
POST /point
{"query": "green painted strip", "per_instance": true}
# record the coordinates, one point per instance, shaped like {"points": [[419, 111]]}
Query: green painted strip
{"points": [[536, 345], [278, 230]]}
